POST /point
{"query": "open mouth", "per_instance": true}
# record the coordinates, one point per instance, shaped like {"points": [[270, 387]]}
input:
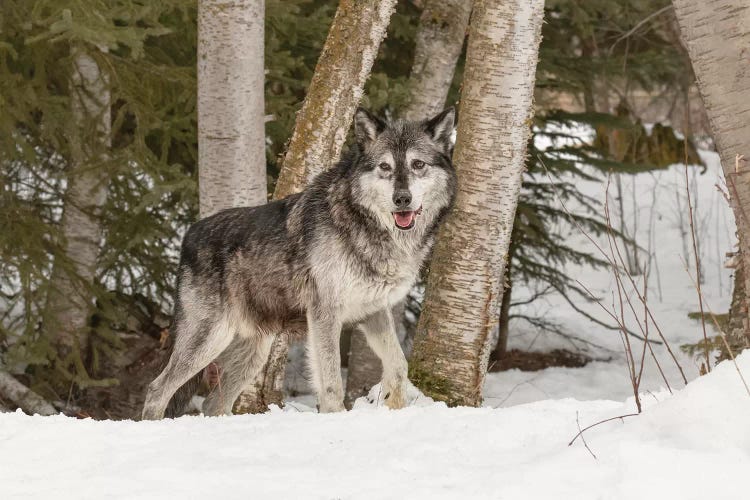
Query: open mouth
{"points": [[405, 220]]}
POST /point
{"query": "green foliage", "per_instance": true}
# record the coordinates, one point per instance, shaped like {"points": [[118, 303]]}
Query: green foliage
{"points": [[147, 51]]}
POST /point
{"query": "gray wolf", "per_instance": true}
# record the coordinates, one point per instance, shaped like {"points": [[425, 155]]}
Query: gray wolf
{"points": [[342, 252]]}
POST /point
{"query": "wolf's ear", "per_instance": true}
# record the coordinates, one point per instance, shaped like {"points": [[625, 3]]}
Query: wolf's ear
{"points": [[366, 127], [440, 127]]}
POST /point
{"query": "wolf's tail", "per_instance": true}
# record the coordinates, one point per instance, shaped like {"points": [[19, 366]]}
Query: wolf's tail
{"points": [[181, 399]]}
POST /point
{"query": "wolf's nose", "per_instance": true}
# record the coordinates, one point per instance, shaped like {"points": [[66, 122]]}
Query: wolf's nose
{"points": [[402, 198]]}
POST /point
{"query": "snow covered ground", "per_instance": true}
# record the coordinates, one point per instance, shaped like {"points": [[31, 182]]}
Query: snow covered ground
{"points": [[694, 443], [657, 201]]}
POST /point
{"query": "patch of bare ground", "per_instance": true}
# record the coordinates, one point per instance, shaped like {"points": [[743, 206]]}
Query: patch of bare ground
{"points": [[534, 361]]}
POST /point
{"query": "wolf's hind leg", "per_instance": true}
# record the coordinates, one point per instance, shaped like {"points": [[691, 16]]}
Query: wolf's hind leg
{"points": [[196, 345], [380, 331], [324, 332], [241, 362]]}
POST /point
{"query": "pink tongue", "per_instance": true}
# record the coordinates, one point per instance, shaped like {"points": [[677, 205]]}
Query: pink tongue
{"points": [[403, 219]]}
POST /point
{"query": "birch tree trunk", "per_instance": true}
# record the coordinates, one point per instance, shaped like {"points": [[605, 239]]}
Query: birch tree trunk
{"points": [[69, 299], [335, 91], [717, 36], [440, 38], [320, 130], [461, 307], [231, 131], [231, 113]]}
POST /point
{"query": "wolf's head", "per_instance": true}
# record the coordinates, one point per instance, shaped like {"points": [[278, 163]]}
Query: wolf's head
{"points": [[404, 173]]}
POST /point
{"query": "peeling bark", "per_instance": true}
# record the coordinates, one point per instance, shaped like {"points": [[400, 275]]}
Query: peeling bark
{"points": [[321, 125], [69, 300], [453, 340], [717, 36]]}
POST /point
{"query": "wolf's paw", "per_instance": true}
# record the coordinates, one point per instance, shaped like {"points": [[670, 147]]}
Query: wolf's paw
{"points": [[331, 401], [395, 396]]}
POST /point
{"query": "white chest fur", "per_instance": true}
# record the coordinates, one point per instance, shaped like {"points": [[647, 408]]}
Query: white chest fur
{"points": [[358, 292]]}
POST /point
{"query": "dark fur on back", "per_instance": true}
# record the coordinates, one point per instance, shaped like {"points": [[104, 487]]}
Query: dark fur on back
{"points": [[260, 254], [345, 250]]}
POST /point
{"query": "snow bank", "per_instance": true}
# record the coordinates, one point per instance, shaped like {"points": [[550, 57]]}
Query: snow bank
{"points": [[695, 444]]}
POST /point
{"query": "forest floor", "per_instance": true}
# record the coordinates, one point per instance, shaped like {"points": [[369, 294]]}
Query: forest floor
{"points": [[692, 443]]}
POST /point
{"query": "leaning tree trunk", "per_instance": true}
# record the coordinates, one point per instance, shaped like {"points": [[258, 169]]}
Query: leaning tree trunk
{"points": [[231, 108], [69, 299], [717, 36], [23, 397], [321, 126], [440, 38], [335, 91], [453, 340]]}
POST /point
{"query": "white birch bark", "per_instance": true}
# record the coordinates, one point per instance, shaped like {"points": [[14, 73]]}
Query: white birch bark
{"points": [[440, 38], [69, 300], [319, 134], [717, 36], [453, 341], [231, 111], [231, 131]]}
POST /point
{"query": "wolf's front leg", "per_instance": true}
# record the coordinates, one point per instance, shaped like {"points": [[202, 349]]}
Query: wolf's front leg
{"points": [[324, 332], [380, 331]]}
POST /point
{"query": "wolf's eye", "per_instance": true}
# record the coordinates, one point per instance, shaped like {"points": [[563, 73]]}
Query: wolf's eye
{"points": [[385, 167], [417, 164]]}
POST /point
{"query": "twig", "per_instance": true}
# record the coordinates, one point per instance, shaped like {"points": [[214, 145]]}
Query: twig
{"points": [[618, 281], [695, 244], [599, 423], [599, 322], [638, 25], [613, 243], [626, 340], [718, 329], [614, 264], [580, 432]]}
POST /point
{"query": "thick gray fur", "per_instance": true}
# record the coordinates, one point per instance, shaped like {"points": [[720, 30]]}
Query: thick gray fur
{"points": [[310, 263]]}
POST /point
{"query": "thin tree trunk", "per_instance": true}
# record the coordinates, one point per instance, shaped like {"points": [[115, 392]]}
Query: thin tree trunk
{"points": [[440, 38], [69, 299], [321, 126], [231, 111], [231, 132], [717, 36], [453, 340]]}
